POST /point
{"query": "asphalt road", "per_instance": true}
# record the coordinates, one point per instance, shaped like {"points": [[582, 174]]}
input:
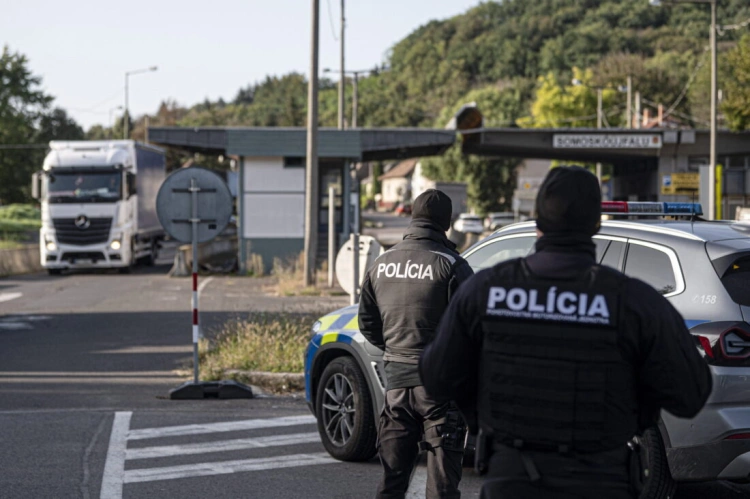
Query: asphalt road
{"points": [[86, 363]]}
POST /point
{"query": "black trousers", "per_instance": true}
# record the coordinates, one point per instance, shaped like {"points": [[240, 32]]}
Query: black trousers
{"points": [[405, 414], [603, 475]]}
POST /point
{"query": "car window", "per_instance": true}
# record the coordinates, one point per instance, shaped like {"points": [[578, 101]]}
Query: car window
{"points": [[601, 247], [613, 254], [736, 280], [500, 250], [651, 266]]}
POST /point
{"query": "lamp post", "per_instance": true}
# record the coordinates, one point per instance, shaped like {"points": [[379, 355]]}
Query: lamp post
{"points": [[110, 122], [714, 98], [126, 115]]}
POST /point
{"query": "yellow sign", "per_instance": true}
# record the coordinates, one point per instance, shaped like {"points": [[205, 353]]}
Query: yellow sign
{"points": [[680, 183]]}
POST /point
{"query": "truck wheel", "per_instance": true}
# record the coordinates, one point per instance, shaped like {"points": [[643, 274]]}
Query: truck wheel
{"points": [[344, 410], [654, 480], [153, 254], [54, 271]]}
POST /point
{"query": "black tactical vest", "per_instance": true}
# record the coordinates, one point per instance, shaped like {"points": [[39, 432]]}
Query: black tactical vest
{"points": [[552, 375]]}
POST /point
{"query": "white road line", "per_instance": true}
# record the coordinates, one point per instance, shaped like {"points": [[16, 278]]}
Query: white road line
{"points": [[418, 485], [222, 446], [96, 374], [114, 467], [15, 326], [148, 349], [204, 283], [226, 467], [197, 429], [9, 296]]}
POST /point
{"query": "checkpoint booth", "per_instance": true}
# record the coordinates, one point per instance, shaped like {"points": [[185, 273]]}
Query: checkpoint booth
{"points": [[271, 177], [648, 164]]}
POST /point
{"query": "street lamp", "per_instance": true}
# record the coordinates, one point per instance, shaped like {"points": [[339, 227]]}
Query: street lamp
{"points": [[714, 99], [126, 115], [110, 122]]}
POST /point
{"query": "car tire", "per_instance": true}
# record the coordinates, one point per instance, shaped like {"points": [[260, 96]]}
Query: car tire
{"points": [[655, 480], [54, 271], [343, 408]]}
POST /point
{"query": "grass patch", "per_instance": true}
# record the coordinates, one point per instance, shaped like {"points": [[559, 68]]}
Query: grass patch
{"points": [[5, 244], [18, 219], [271, 342], [290, 278]]}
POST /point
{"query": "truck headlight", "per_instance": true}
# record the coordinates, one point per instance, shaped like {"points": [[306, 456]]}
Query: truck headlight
{"points": [[115, 245], [51, 246]]}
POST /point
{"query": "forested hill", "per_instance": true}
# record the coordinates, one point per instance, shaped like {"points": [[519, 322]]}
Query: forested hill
{"points": [[509, 44]]}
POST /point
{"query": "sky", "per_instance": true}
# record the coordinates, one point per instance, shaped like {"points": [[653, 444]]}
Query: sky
{"points": [[83, 48]]}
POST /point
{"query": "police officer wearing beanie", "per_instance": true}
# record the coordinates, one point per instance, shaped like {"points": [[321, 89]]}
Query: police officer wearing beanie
{"points": [[404, 294], [564, 360]]}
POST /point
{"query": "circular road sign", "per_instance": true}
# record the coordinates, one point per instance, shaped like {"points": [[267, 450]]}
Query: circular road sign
{"points": [[369, 250], [174, 204]]}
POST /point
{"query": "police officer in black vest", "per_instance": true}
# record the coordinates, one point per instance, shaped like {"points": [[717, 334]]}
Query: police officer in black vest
{"points": [[404, 294], [564, 360]]}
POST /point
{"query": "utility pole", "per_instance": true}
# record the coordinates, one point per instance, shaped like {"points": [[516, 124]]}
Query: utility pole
{"points": [[355, 99], [638, 110], [125, 117], [342, 80], [714, 105], [630, 102], [599, 123], [311, 172]]}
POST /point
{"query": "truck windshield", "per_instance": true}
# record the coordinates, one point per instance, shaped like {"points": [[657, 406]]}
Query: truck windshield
{"points": [[84, 187]]}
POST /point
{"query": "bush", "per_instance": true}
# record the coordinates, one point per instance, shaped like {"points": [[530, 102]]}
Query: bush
{"points": [[20, 212], [272, 342]]}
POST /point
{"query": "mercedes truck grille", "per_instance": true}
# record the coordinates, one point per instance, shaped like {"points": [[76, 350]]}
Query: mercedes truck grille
{"points": [[82, 231]]}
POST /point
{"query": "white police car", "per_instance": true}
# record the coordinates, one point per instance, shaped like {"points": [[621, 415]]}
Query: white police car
{"points": [[702, 267]]}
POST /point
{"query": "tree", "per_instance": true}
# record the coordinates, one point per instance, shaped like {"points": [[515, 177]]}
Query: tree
{"points": [[22, 103], [736, 104], [567, 105], [57, 125]]}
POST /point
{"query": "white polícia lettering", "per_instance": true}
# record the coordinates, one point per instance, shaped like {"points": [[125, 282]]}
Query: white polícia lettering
{"points": [[413, 275], [533, 305], [517, 299], [497, 295], [551, 299], [583, 302], [427, 272], [381, 269], [566, 308], [599, 307]]}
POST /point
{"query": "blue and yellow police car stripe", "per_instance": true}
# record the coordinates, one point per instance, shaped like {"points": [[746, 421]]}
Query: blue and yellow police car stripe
{"points": [[334, 328]]}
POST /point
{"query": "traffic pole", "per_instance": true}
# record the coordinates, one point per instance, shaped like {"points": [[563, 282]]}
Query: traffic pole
{"points": [[331, 234], [196, 324]]}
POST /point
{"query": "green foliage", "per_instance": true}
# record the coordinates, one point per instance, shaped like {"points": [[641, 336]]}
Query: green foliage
{"points": [[736, 104], [20, 212], [25, 118]]}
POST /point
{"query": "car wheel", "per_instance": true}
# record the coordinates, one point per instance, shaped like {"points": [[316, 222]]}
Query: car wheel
{"points": [[654, 480], [344, 410]]}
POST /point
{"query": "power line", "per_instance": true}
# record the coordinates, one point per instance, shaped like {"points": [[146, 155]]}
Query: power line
{"points": [[330, 20]]}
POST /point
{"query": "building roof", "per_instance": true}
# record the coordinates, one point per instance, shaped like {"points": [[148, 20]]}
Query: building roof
{"points": [[401, 170], [370, 144]]}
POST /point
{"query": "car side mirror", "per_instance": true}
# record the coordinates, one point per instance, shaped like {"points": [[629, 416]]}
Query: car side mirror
{"points": [[130, 180], [36, 186]]}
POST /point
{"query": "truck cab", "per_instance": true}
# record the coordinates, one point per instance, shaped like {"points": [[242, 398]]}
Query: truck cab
{"points": [[98, 202]]}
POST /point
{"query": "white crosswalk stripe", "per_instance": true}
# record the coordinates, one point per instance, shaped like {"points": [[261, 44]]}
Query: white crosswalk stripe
{"points": [[120, 452]]}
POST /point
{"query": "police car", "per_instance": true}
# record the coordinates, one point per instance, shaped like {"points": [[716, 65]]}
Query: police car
{"points": [[702, 267]]}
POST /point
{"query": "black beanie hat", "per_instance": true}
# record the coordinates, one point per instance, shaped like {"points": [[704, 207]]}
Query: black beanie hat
{"points": [[569, 201], [435, 206]]}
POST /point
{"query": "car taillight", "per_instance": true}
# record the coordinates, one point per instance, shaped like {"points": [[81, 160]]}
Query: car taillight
{"points": [[738, 436], [706, 346], [735, 343]]}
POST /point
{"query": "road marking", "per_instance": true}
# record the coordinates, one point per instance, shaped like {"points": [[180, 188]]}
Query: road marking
{"points": [[197, 429], [9, 296], [14, 326], [223, 445], [226, 467], [204, 283], [114, 467], [148, 349], [418, 484], [98, 374]]}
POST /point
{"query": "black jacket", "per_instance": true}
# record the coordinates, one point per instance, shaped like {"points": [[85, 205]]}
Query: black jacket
{"points": [[669, 372], [406, 291]]}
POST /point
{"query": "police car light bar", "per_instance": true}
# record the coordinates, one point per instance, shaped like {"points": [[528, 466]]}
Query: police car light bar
{"points": [[639, 208]]}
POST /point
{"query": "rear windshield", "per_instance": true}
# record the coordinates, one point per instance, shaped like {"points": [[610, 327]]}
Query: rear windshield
{"points": [[736, 281]]}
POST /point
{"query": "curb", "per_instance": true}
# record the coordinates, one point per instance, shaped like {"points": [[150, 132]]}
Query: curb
{"points": [[274, 382]]}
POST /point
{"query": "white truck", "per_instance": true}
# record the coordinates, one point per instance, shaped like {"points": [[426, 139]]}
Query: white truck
{"points": [[99, 204]]}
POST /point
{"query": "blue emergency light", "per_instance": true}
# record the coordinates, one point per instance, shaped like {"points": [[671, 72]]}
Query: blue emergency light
{"points": [[650, 208]]}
